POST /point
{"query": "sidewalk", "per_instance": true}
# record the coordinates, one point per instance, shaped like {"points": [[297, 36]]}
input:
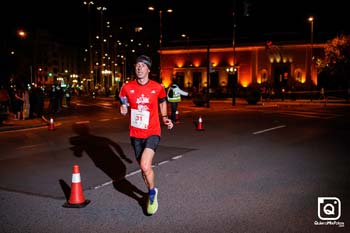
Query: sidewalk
{"points": [[11, 125]]}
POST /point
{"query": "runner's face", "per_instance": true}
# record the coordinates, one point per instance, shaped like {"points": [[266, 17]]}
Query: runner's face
{"points": [[141, 70]]}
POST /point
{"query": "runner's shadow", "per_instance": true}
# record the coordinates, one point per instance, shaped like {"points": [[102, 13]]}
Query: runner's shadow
{"points": [[107, 156]]}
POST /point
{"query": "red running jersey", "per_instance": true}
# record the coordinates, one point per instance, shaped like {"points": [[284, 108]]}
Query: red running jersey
{"points": [[144, 107]]}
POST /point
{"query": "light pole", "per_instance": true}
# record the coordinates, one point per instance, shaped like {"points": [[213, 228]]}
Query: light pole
{"points": [[188, 62], [91, 69], [234, 71], [311, 20], [22, 35], [160, 11], [102, 39]]}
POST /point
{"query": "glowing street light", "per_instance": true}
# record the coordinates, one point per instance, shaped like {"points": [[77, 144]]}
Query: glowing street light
{"points": [[160, 11], [151, 8], [22, 34], [91, 65], [311, 20]]}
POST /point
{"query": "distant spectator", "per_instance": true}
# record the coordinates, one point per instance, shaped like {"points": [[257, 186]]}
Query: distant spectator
{"points": [[53, 96], [18, 103], [26, 104], [174, 98], [40, 98]]}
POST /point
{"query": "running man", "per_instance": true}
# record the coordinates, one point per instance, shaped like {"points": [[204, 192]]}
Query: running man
{"points": [[144, 98]]}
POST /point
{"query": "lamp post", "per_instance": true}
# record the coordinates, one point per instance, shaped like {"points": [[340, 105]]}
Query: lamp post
{"points": [[91, 65], [234, 71], [102, 39], [22, 35], [160, 11], [188, 62], [311, 20]]}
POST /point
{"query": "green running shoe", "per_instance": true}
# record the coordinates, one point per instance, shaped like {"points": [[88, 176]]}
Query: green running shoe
{"points": [[152, 204]]}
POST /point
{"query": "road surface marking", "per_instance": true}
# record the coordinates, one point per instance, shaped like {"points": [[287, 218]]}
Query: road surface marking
{"points": [[138, 171], [269, 129]]}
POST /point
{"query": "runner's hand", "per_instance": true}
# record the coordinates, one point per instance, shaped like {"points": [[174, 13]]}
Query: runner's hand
{"points": [[168, 123], [123, 109]]}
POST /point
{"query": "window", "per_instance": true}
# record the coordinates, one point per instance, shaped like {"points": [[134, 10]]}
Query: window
{"points": [[298, 75], [264, 77]]}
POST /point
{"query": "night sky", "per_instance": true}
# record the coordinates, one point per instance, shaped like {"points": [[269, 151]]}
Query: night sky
{"points": [[200, 20]]}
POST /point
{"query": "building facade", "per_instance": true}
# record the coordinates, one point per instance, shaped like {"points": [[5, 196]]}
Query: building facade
{"points": [[277, 67]]}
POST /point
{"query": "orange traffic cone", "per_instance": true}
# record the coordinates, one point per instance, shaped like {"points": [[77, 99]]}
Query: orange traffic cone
{"points": [[200, 123], [177, 117], [51, 125], [76, 199]]}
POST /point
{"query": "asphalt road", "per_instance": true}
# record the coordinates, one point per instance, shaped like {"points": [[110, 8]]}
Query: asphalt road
{"points": [[252, 169]]}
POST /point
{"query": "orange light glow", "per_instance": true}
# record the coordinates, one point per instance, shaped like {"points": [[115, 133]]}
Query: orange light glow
{"points": [[196, 63], [215, 58], [244, 83], [230, 62], [166, 78], [21, 33], [166, 82], [180, 62]]}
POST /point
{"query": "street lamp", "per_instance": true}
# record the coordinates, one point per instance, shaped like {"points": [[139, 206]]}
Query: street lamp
{"points": [[22, 34], [160, 11], [233, 71], [91, 66], [311, 20], [102, 39], [188, 61]]}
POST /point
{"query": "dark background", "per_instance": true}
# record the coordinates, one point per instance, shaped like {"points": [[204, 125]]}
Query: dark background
{"points": [[198, 19]]}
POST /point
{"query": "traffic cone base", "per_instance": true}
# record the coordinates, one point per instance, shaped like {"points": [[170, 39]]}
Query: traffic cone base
{"points": [[51, 125], [69, 205], [177, 117], [200, 124], [76, 199]]}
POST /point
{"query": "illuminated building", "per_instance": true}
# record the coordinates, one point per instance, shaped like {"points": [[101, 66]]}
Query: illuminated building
{"points": [[280, 67]]}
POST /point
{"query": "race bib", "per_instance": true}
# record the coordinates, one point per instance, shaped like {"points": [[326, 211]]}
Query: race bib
{"points": [[139, 119]]}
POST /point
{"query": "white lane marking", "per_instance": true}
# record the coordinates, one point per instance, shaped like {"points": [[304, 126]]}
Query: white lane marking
{"points": [[102, 185], [166, 161], [138, 171], [106, 119], [269, 129], [176, 157]]}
